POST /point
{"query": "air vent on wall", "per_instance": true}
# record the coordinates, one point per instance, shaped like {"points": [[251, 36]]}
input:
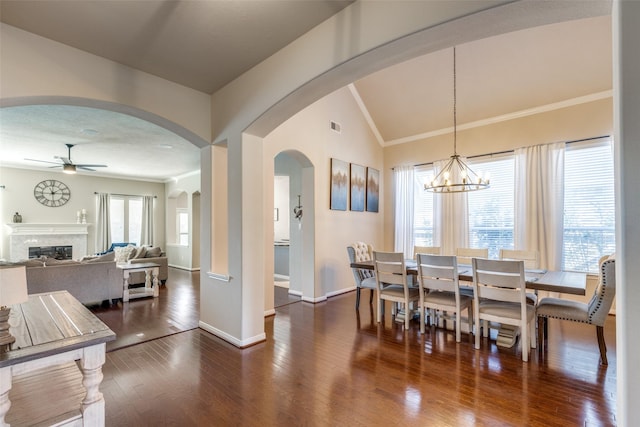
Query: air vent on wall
{"points": [[335, 127]]}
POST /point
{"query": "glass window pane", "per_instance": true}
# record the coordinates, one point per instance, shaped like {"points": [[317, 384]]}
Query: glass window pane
{"points": [[423, 208], [135, 220], [491, 211], [116, 212], [589, 205]]}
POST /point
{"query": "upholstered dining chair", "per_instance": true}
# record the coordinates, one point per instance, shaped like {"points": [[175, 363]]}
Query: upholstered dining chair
{"points": [[593, 313], [391, 277], [499, 295], [530, 258], [361, 251], [464, 255], [440, 290]]}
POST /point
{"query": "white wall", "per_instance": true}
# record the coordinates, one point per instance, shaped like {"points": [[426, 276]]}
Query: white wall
{"points": [[18, 196], [183, 192], [33, 66], [309, 133], [281, 203]]}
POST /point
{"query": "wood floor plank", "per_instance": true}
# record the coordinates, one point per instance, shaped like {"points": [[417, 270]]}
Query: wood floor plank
{"points": [[329, 365]]}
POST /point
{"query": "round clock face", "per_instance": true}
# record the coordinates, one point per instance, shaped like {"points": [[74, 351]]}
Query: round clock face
{"points": [[52, 193]]}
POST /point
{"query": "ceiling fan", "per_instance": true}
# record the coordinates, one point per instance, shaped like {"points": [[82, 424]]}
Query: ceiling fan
{"points": [[67, 165]]}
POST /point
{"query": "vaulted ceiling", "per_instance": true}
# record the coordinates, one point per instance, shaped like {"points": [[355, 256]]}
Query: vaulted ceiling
{"points": [[204, 45]]}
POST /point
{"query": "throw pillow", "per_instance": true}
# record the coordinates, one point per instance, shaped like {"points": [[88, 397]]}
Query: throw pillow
{"points": [[109, 256], [141, 252], [33, 262], [123, 253], [154, 252]]}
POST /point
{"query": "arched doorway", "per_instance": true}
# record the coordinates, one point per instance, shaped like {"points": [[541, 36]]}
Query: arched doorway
{"points": [[293, 226]]}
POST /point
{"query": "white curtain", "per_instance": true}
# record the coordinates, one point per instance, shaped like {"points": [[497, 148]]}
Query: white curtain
{"points": [[450, 219], [404, 187], [103, 223], [146, 233], [540, 202]]}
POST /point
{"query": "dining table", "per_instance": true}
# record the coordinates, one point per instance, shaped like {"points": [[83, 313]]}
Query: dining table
{"points": [[565, 282]]}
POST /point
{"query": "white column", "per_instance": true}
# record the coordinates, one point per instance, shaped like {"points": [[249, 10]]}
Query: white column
{"points": [[626, 87]]}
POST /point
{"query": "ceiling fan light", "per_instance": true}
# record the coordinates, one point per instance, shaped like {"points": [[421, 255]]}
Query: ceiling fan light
{"points": [[69, 169]]}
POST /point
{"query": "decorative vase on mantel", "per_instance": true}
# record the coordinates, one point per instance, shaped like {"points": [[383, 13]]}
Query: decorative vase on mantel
{"points": [[17, 217]]}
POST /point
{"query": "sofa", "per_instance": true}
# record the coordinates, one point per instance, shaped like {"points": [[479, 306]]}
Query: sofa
{"points": [[93, 279]]}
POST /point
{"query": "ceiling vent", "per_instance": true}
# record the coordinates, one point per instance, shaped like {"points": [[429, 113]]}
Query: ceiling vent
{"points": [[335, 127]]}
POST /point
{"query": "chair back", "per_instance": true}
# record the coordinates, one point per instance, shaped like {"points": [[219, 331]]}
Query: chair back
{"points": [[429, 250], [466, 254], [530, 258], [360, 251], [605, 292], [390, 269], [437, 272], [499, 280]]}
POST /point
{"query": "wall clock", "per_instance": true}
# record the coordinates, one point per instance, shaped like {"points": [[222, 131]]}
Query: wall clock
{"points": [[52, 193]]}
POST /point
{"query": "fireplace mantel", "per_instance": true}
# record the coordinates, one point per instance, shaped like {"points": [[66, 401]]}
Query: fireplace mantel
{"points": [[35, 229], [25, 235]]}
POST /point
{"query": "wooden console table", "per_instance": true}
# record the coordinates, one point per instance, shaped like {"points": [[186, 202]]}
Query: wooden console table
{"points": [[40, 382], [150, 289]]}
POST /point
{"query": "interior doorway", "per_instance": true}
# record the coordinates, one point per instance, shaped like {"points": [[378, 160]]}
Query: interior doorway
{"points": [[292, 253]]}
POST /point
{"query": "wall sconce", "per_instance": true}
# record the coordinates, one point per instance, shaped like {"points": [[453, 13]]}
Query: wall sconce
{"points": [[297, 211]]}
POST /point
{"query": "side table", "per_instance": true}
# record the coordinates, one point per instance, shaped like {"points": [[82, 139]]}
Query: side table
{"points": [[151, 285]]}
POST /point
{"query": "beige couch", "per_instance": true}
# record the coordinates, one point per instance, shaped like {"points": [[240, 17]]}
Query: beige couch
{"points": [[91, 280], [88, 282]]}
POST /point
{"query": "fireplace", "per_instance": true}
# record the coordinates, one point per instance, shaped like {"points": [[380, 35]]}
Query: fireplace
{"points": [[57, 252], [50, 238]]}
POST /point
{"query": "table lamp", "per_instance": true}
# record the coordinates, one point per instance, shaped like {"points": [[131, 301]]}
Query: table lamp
{"points": [[13, 290]]}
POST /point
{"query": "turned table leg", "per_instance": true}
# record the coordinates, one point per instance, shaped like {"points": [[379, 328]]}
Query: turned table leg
{"points": [[93, 403]]}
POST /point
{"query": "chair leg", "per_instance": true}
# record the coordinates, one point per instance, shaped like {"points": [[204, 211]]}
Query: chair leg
{"points": [[541, 336], [602, 345], [371, 297], [357, 297], [533, 336]]}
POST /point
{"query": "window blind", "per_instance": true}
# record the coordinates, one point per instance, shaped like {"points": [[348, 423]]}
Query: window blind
{"points": [[491, 211], [423, 208], [589, 205]]}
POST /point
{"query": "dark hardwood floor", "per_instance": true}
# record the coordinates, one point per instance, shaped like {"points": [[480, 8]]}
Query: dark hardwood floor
{"points": [[329, 365]]}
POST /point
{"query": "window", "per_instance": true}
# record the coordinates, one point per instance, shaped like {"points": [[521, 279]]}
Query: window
{"points": [[589, 205], [491, 211], [126, 219], [423, 208], [182, 217]]}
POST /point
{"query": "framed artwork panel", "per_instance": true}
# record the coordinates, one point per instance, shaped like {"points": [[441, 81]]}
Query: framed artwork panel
{"points": [[358, 187], [373, 189], [339, 184]]}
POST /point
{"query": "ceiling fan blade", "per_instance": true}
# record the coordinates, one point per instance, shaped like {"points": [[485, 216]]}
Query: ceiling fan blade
{"points": [[91, 166], [65, 160], [85, 168], [44, 161]]}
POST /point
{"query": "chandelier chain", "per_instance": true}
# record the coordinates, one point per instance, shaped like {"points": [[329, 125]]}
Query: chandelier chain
{"points": [[455, 102]]}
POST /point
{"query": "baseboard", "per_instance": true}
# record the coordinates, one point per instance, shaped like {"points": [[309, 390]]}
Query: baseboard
{"points": [[314, 300], [180, 267], [340, 291], [269, 313], [231, 339]]}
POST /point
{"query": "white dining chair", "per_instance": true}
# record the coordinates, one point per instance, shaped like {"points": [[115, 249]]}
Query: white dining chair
{"points": [[530, 258], [391, 276], [440, 291], [499, 295]]}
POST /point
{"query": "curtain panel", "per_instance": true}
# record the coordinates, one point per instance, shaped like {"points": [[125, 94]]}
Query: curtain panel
{"points": [[103, 223], [539, 205], [404, 182]]}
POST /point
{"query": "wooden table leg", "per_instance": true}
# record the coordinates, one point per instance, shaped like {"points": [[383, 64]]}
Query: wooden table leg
{"points": [[93, 403], [5, 386]]}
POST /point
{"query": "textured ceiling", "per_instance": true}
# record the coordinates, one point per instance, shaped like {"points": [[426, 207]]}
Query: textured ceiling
{"points": [[203, 44]]}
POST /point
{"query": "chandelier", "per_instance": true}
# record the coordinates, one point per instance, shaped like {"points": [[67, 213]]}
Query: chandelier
{"points": [[456, 176]]}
